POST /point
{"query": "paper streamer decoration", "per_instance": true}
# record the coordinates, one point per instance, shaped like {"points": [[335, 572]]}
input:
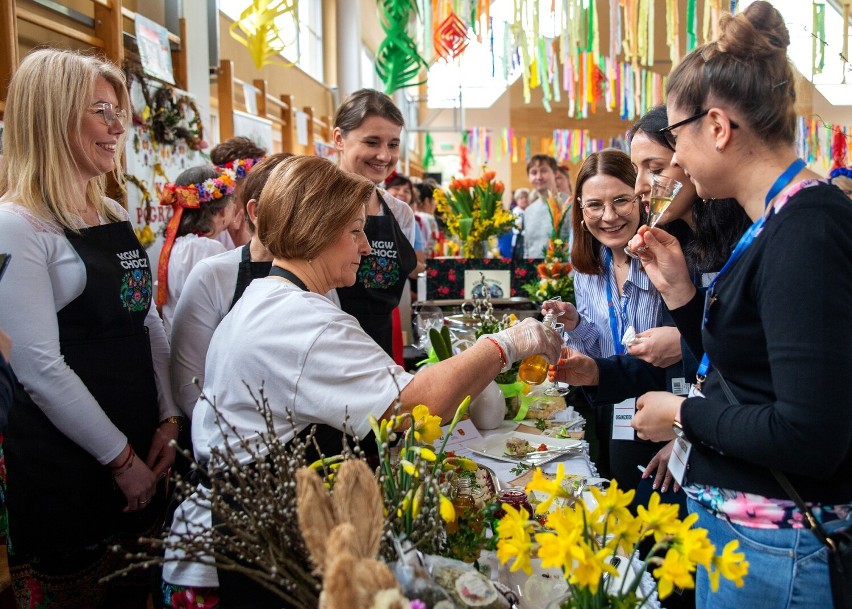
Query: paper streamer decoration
{"points": [[256, 29], [819, 42], [397, 60]]}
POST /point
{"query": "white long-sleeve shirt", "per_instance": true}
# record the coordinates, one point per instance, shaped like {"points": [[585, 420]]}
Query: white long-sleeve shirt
{"points": [[44, 275]]}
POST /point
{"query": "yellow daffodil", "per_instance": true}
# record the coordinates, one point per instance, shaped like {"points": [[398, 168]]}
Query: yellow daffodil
{"points": [[625, 533], [658, 517], [590, 566], [448, 510], [462, 463], [731, 564], [614, 502], [427, 427], [553, 488], [408, 467], [674, 571], [417, 501], [514, 531]]}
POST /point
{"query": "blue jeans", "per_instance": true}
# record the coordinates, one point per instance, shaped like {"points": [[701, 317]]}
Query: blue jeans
{"points": [[788, 568]]}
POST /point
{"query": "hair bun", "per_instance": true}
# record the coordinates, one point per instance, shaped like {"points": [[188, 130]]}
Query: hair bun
{"points": [[758, 32]]}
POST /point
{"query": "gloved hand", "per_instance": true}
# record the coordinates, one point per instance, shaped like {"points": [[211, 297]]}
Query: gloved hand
{"points": [[530, 337]]}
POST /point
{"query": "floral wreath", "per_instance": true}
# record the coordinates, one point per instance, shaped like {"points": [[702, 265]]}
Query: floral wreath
{"points": [[165, 114], [240, 167], [190, 196]]}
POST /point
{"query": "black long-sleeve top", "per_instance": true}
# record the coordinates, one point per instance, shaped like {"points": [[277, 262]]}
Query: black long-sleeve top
{"points": [[781, 335]]}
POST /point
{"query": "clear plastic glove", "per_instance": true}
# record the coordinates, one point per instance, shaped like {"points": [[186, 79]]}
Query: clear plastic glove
{"points": [[530, 337]]}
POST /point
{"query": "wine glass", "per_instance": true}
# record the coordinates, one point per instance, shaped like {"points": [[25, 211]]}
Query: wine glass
{"points": [[663, 192], [428, 317]]}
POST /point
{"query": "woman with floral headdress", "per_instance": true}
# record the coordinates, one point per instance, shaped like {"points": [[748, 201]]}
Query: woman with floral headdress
{"points": [[203, 208]]}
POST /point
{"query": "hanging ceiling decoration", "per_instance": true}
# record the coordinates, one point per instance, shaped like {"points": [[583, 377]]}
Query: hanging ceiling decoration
{"points": [[451, 37], [259, 31], [398, 62]]}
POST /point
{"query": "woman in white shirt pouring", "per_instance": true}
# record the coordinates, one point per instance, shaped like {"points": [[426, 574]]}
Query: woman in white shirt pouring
{"points": [[313, 359]]}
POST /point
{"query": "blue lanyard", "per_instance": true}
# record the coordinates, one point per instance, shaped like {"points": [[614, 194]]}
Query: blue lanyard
{"points": [[613, 321], [743, 244]]}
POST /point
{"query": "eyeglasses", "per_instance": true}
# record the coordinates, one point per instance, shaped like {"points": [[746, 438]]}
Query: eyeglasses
{"points": [[670, 137], [110, 114], [622, 206]]}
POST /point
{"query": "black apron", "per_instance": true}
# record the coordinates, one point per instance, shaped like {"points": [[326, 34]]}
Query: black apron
{"points": [[59, 496], [381, 278], [248, 272], [237, 591]]}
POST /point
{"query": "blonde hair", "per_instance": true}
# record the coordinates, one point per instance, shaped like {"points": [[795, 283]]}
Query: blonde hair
{"points": [[48, 98], [306, 203]]}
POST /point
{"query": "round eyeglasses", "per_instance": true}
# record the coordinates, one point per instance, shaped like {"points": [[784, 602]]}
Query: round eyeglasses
{"points": [[622, 206], [109, 114]]}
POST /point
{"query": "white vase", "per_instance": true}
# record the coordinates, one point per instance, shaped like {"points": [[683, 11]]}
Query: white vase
{"points": [[488, 408]]}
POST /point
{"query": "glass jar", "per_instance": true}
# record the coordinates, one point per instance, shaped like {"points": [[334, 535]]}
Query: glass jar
{"points": [[514, 496]]}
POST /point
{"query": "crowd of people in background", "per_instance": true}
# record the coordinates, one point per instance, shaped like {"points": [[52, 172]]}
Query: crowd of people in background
{"points": [[737, 301]]}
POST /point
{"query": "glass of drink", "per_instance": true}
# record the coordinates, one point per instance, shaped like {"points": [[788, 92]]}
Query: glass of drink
{"points": [[663, 192]]}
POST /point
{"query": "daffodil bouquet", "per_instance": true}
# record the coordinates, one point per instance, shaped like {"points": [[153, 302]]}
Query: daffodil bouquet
{"points": [[415, 489], [473, 210], [583, 543]]}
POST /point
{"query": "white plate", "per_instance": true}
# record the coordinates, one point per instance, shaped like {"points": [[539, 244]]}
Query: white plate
{"points": [[495, 447]]}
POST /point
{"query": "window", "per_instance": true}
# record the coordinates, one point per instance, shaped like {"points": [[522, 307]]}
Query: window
{"points": [[305, 50]]}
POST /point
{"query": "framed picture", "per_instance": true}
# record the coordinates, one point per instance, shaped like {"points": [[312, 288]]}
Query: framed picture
{"points": [[498, 283]]}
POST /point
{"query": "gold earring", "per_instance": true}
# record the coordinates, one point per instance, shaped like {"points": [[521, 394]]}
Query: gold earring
{"points": [[720, 148], [583, 224]]}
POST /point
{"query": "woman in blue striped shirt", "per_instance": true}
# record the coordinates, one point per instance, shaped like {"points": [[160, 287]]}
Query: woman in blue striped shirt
{"points": [[612, 290]]}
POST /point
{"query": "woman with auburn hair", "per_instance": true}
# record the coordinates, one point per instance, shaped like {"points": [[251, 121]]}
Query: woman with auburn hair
{"points": [[612, 292], [89, 430], [311, 217], [775, 403], [367, 129]]}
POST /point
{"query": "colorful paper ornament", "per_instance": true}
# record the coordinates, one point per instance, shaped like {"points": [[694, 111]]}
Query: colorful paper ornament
{"points": [[450, 38], [398, 61], [261, 35]]}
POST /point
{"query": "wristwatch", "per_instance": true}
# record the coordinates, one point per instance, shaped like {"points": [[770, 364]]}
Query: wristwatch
{"points": [[677, 428]]}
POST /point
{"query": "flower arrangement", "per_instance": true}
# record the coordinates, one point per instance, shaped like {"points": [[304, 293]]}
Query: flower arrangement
{"points": [[473, 211], [145, 234], [554, 275], [583, 543], [193, 195], [414, 486], [239, 168]]}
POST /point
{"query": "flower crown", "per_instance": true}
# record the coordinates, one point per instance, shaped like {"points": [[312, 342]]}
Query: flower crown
{"points": [[240, 167], [193, 195]]}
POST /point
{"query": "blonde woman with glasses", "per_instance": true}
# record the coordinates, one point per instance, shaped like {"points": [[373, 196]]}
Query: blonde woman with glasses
{"points": [[88, 433]]}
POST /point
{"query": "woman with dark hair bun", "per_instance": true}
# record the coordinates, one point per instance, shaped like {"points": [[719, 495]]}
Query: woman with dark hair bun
{"points": [[775, 403]]}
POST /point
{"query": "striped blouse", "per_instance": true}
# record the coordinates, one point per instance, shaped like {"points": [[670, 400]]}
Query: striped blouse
{"points": [[640, 306]]}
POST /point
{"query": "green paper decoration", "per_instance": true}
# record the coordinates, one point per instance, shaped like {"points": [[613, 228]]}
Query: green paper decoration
{"points": [[428, 154], [397, 59]]}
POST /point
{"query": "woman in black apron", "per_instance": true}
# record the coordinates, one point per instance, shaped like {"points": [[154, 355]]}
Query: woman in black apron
{"points": [[367, 130], [87, 438]]}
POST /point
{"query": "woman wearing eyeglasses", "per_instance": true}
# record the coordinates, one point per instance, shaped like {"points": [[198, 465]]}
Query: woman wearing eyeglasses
{"points": [[611, 289], [775, 328], [89, 430]]}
